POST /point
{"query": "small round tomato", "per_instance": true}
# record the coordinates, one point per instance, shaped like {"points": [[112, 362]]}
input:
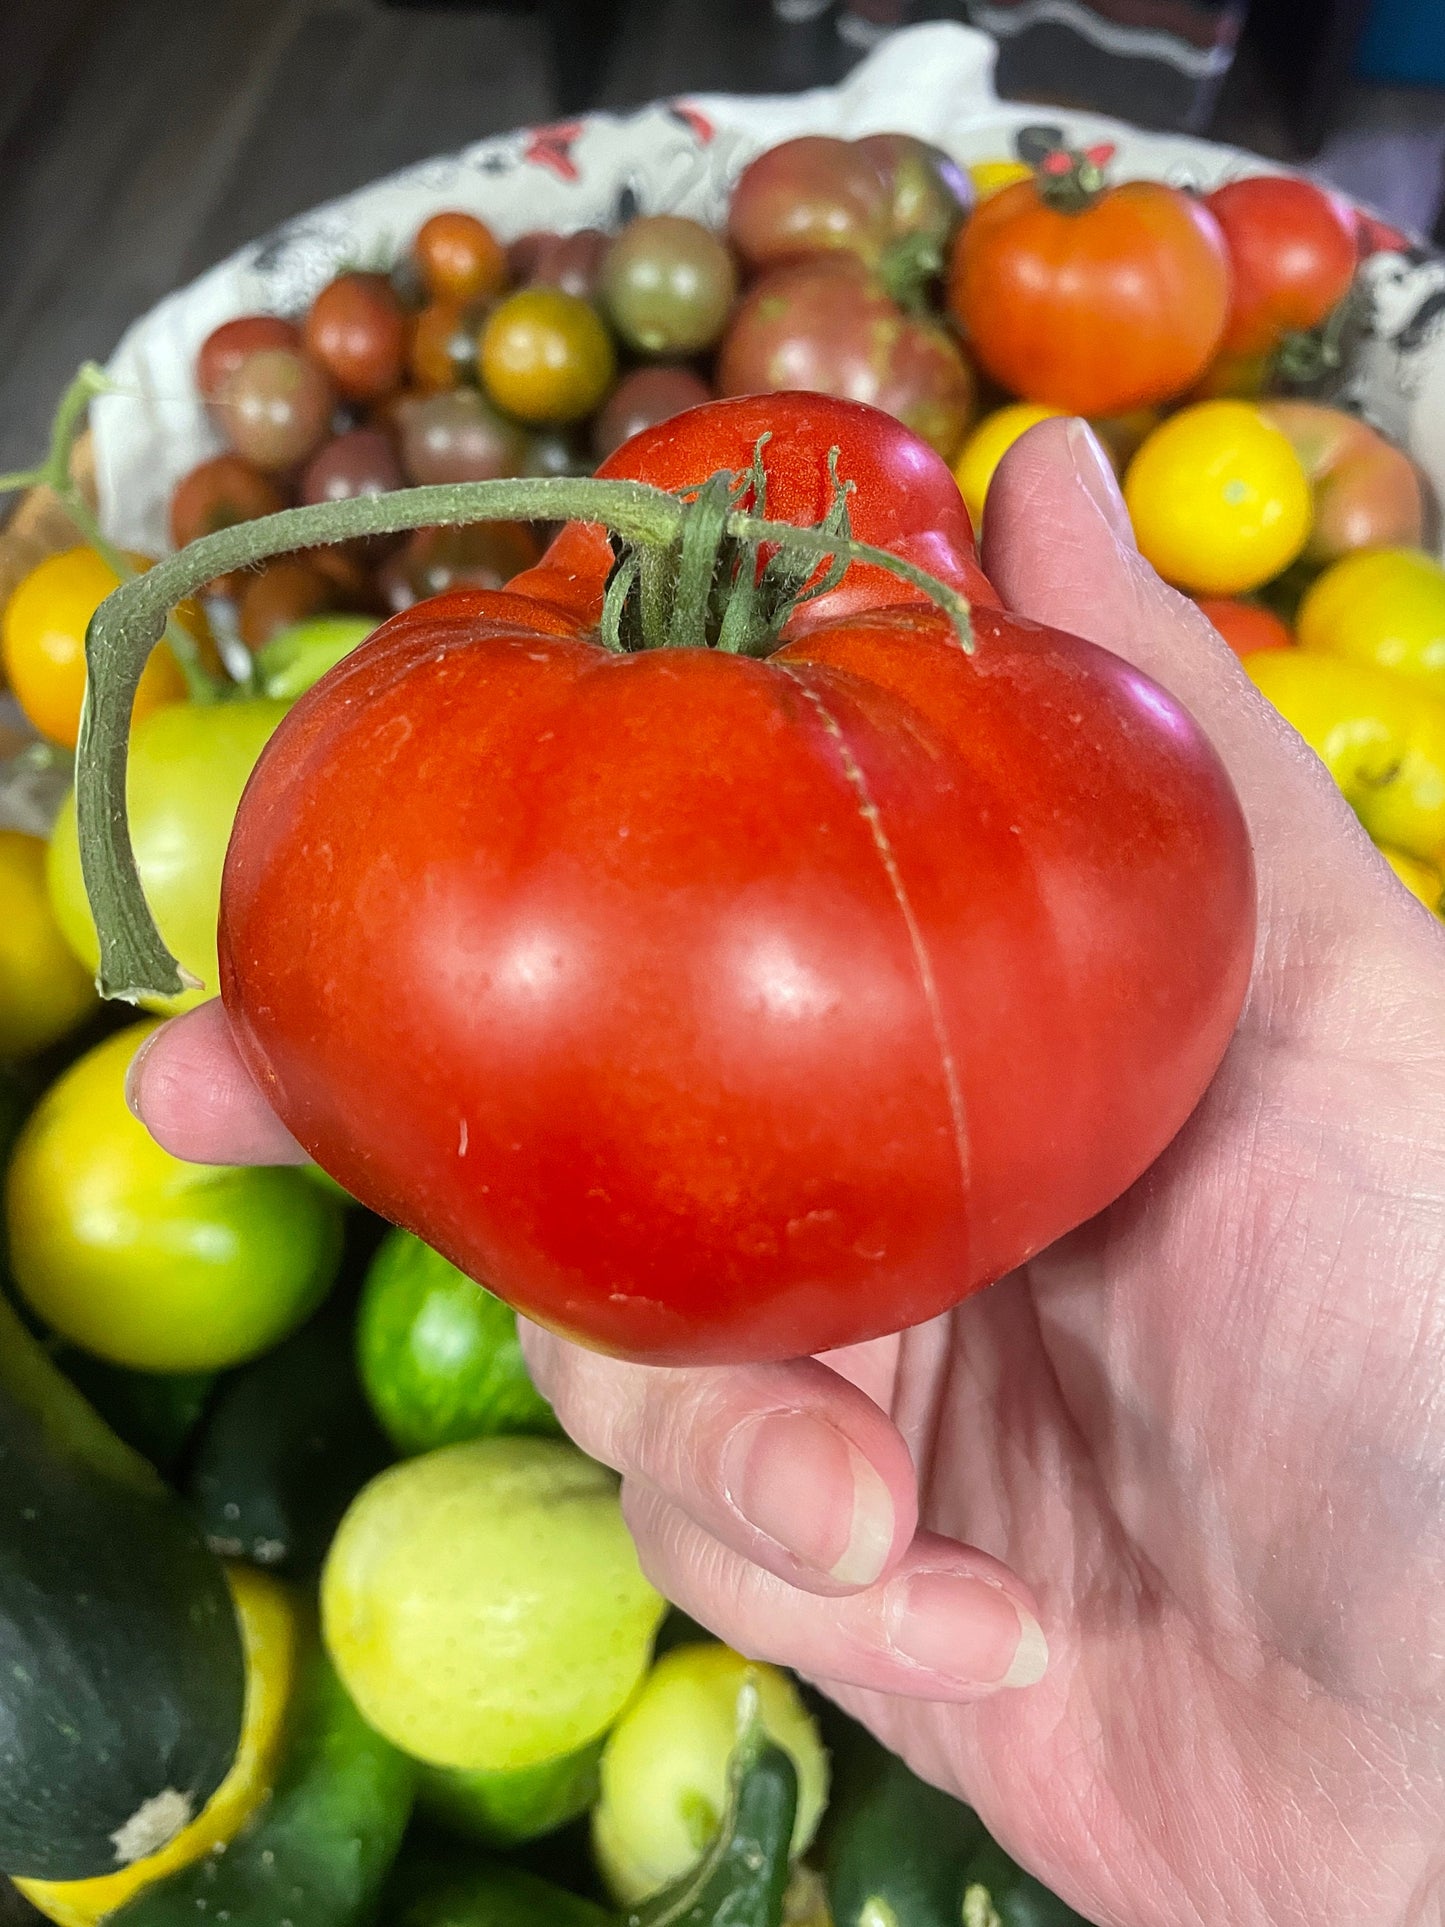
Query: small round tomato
{"points": [[1368, 493], [545, 356], [484, 555], [287, 590], [459, 258], [812, 195], [641, 400], [987, 445], [44, 992], [668, 285], [572, 262], [1094, 302], [1382, 740], [1245, 626], [275, 408], [1293, 249], [188, 766], [145, 1260], [1423, 880], [443, 350], [457, 436], [1381, 606], [1218, 499], [356, 330], [218, 494], [360, 462], [226, 347], [43, 636]]}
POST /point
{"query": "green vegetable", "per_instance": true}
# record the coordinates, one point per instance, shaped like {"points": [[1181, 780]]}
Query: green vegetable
{"points": [[439, 1355], [121, 1672], [897, 1852], [156, 1412], [289, 1442], [319, 1850], [300, 655], [495, 1895], [505, 1809]]}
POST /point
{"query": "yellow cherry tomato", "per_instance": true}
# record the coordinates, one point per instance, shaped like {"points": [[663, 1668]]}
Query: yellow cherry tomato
{"points": [[43, 635], [44, 989], [987, 446], [1219, 500], [1381, 606], [1381, 740], [545, 356], [992, 177], [1422, 880], [268, 1618]]}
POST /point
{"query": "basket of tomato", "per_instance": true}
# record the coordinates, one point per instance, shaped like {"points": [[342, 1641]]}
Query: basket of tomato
{"points": [[306, 1609]]}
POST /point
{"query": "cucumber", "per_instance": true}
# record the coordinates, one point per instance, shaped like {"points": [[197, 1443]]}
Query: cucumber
{"points": [[121, 1670], [897, 1852], [319, 1851], [288, 1443]]}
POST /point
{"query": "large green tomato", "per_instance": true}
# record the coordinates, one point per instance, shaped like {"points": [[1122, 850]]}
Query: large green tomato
{"points": [[484, 1606], [188, 765], [147, 1261]]}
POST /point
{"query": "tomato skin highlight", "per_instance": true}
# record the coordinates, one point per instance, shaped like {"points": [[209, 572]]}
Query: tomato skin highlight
{"points": [[720, 1009]]}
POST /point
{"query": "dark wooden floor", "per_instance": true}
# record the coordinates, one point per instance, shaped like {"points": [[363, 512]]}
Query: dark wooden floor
{"points": [[141, 140]]}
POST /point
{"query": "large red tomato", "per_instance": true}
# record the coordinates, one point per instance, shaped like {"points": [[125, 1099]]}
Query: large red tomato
{"points": [[1293, 248], [1097, 302], [712, 1007]]}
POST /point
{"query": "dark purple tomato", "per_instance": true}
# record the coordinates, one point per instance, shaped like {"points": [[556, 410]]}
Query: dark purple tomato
{"points": [[286, 590], [360, 462], [483, 555], [226, 347], [357, 330], [571, 262], [929, 197], [275, 408], [457, 436], [813, 195], [668, 285], [641, 400], [828, 325]]}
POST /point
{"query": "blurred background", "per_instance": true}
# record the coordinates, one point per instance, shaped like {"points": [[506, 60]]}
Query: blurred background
{"points": [[142, 140]]}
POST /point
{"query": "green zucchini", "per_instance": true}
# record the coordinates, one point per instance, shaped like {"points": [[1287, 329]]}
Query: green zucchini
{"points": [[319, 1850], [897, 1852], [121, 1672], [287, 1444]]}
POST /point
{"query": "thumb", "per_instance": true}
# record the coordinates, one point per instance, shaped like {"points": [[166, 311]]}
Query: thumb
{"points": [[1059, 549]]}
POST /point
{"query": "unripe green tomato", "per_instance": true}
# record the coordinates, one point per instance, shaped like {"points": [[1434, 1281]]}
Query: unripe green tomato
{"points": [[148, 1261], [303, 652], [668, 285], [484, 1606], [439, 1355], [665, 1765], [188, 765]]}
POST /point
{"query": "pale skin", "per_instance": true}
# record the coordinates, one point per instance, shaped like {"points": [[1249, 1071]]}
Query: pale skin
{"points": [[1197, 1447]]}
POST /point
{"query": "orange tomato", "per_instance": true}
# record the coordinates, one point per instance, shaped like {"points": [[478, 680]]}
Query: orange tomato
{"points": [[1096, 308], [1245, 626]]}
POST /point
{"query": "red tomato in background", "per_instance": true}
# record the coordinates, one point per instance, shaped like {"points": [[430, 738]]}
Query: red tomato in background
{"points": [[1113, 306], [1245, 626], [1293, 248], [717, 1008]]}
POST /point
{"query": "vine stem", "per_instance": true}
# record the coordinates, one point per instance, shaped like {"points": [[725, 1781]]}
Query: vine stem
{"points": [[652, 523]]}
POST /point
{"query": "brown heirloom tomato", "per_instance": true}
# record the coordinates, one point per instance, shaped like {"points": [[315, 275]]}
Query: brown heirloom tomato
{"points": [[717, 1006], [1096, 304], [1368, 493], [459, 258], [226, 347], [829, 325], [357, 331]]}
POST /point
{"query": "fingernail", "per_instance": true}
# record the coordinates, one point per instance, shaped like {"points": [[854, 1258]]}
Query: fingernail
{"points": [[966, 1631], [1095, 473], [133, 1076], [802, 1484]]}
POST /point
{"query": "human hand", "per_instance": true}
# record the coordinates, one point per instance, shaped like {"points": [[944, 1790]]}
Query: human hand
{"points": [[1207, 1428]]}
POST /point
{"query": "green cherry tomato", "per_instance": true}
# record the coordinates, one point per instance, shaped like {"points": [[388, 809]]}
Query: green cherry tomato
{"points": [[439, 1355], [188, 766], [147, 1261], [668, 285], [300, 655]]}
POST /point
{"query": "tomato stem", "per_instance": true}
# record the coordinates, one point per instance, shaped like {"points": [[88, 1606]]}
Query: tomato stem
{"points": [[678, 549], [1069, 181]]}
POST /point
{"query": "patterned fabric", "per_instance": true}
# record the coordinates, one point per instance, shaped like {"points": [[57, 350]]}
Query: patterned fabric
{"points": [[934, 80]]}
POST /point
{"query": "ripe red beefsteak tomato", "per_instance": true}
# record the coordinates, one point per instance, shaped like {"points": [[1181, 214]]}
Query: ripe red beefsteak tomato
{"points": [[720, 1008]]}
